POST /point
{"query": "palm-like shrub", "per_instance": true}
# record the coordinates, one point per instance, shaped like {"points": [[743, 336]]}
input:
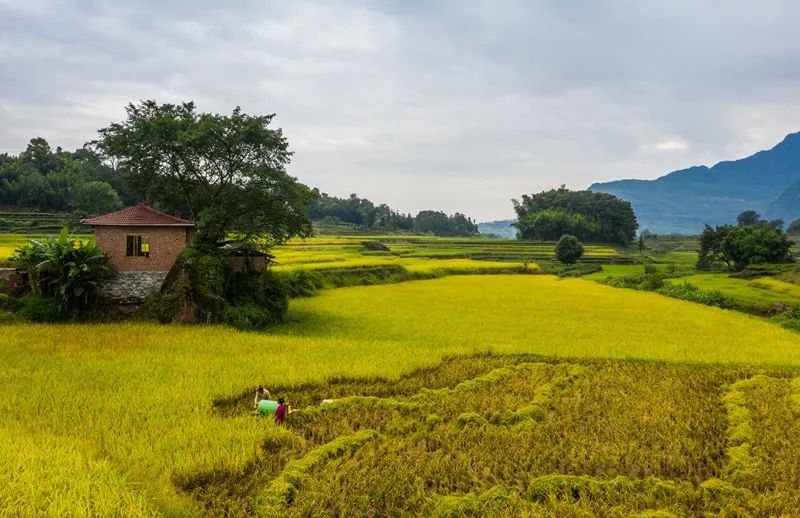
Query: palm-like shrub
{"points": [[65, 268]]}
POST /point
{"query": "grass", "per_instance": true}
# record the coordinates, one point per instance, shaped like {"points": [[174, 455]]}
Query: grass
{"points": [[119, 419], [756, 295]]}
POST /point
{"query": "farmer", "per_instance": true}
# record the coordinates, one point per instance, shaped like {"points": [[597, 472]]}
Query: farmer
{"points": [[280, 412], [261, 394]]}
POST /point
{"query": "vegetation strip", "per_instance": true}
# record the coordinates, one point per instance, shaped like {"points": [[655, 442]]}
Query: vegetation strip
{"points": [[490, 378], [566, 375], [282, 490], [415, 402], [742, 464], [620, 492]]}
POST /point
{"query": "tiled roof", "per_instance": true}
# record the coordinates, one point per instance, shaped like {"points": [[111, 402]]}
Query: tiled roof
{"points": [[140, 215]]}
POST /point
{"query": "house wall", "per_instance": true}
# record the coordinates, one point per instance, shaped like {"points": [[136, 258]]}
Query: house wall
{"points": [[165, 245]]}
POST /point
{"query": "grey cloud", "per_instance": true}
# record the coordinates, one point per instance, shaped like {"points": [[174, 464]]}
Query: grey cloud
{"points": [[454, 105]]}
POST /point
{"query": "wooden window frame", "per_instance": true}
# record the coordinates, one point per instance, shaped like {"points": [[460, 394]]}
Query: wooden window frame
{"points": [[137, 245]]}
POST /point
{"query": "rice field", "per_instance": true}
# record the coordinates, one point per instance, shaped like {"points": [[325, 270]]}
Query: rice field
{"points": [[422, 253], [581, 399]]}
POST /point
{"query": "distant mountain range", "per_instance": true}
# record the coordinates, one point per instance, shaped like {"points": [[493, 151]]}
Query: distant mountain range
{"points": [[683, 201]]}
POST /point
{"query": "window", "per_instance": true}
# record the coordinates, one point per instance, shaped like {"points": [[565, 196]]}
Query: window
{"points": [[137, 246]]}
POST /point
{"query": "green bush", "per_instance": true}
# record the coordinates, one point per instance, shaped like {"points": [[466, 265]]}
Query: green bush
{"points": [[646, 281], [39, 308], [692, 293], [304, 283], [247, 317], [64, 268], [568, 249], [201, 284], [9, 303]]}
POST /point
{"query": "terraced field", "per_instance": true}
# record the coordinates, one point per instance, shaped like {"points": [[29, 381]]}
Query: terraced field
{"points": [[416, 253]]}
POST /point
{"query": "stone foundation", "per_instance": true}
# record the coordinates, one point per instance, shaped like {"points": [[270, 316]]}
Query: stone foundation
{"points": [[131, 288], [12, 281]]}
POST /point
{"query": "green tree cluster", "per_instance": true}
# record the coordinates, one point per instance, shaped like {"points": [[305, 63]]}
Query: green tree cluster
{"points": [[60, 181], [752, 241], [359, 211], [752, 218], [363, 212], [440, 224], [589, 216]]}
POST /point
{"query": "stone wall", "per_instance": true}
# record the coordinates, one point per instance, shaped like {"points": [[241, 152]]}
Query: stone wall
{"points": [[12, 281], [130, 288]]}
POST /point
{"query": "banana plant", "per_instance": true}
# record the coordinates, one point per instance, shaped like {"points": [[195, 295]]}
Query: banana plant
{"points": [[64, 267]]}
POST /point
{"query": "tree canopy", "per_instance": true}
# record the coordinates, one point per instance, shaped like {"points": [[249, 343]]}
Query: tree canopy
{"points": [[228, 172], [42, 179], [359, 211], [440, 224], [739, 246], [363, 212], [589, 216], [751, 217]]}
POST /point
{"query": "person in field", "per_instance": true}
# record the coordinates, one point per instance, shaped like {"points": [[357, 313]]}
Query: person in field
{"points": [[261, 394], [280, 412]]}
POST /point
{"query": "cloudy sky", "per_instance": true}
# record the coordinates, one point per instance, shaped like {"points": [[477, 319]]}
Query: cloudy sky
{"points": [[455, 105]]}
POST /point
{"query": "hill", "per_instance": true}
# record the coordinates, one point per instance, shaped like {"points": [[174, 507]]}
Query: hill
{"points": [[787, 206], [683, 201]]}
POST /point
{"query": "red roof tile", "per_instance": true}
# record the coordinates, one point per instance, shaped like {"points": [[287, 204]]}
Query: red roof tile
{"points": [[140, 215]]}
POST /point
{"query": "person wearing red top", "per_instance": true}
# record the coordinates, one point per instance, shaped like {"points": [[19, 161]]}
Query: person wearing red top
{"points": [[280, 412]]}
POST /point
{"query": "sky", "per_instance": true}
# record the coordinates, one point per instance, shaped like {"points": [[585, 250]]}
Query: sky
{"points": [[451, 105]]}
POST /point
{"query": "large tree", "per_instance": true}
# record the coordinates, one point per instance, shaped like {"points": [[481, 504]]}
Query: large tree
{"points": [[740, 246], [590, 216], [228, 172], [756, 244]]}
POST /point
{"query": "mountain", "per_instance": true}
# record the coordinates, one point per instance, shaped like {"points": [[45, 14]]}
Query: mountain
{"points": [[501, 228], [787, 206], [683, 201]]}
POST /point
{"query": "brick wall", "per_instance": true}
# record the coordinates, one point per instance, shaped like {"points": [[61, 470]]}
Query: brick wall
{"points": [[165, 245]]}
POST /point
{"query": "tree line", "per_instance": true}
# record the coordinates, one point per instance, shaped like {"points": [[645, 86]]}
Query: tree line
{"points": [[228, 172], [364, 213], [48, 180]]}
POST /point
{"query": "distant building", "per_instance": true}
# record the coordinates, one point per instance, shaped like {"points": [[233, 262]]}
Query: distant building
{"points": [[141, 239]]}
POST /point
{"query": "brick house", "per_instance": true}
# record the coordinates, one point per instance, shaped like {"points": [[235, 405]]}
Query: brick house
{"points": [[141, 239]]}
